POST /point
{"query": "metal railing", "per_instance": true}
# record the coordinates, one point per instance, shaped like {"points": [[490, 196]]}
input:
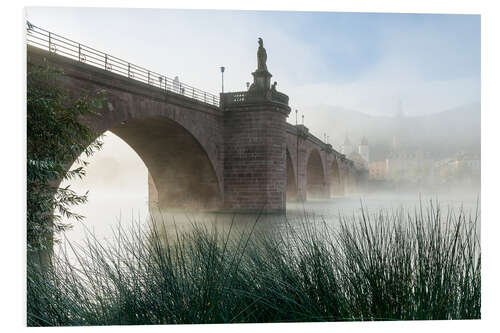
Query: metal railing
{"points": [[54, 43]]}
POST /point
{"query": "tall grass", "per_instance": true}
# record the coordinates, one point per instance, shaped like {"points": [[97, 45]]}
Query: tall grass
{"points": [[388, 266]]}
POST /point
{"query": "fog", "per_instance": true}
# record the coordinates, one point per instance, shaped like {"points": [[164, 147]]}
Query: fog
{"points": [[410, 84], [117, 186]]}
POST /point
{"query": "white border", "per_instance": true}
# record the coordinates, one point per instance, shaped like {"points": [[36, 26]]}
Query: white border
{"points": [[12, 309]]}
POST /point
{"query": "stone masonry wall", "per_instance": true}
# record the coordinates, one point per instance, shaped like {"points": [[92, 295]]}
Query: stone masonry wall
{"points": [[255, 160]]}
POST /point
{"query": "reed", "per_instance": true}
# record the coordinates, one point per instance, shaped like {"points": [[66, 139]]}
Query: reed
{"points": [[398, 265]]}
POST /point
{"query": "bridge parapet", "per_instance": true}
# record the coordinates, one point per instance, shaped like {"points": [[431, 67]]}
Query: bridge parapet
{"points": [[251, 97], [302, 131], [328, 148]]}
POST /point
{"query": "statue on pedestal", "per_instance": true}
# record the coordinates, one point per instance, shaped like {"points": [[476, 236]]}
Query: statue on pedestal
{"points": [[261, 90], [261, 57], [261, 77]]}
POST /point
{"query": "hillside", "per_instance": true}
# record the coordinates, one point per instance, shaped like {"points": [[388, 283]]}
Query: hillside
{"points": [[442, 134]]}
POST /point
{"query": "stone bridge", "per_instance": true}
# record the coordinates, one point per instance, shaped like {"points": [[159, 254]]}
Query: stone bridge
{"points": [[238, 154], [322, 172]]}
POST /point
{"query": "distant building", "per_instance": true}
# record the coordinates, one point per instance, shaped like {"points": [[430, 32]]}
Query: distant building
{"points": [[462, 167], [470, 161], [409, 166], [361, 157], [443, 168], [395, 143], [377, 170]]}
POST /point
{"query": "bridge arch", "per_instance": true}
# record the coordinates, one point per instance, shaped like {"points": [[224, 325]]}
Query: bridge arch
{"points": [[291, 178], [336, 183], [180, 170], [179, 144], [315, 175], [351, 181]]}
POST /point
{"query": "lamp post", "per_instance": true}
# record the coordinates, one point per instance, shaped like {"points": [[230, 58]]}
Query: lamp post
{"points": [[222, 73]]}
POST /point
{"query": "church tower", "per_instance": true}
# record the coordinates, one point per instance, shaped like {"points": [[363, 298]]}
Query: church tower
{"points": [[364, 150], [347, 147]]}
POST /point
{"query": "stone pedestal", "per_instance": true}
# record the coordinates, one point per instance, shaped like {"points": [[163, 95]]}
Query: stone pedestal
{"points": [[261, 80]]}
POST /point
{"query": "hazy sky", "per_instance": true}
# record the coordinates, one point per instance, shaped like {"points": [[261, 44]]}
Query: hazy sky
{"points": [[359, 61]]}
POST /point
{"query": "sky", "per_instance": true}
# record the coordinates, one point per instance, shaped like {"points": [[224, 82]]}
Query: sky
{"points": [[367, 62]]}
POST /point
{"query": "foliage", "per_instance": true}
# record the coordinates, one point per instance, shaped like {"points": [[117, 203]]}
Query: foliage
{"points": [[56, 136], [397, 266]]}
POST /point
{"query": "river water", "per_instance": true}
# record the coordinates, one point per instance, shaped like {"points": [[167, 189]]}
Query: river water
{"points": [[106, 210]]}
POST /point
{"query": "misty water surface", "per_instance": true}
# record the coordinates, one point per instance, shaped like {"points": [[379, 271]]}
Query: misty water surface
{"points": [[118, 194], [108, 210]]}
